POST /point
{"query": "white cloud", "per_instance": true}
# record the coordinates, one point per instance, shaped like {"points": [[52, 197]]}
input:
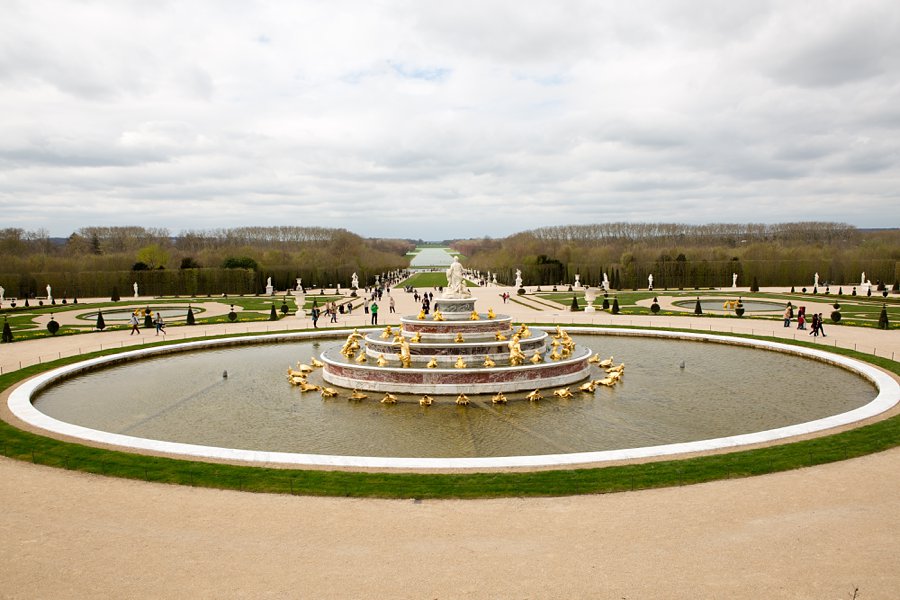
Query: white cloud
{"points": [[439, 120]]}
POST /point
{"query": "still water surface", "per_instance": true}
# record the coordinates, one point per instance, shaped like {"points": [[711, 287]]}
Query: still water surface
{"points": [[722, 390]]}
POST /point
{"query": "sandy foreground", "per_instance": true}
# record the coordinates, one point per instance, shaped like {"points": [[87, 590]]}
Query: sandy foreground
{"points": [[813, 533], [824, 532]]}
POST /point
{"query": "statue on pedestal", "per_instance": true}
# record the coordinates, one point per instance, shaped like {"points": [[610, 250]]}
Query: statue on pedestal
{"points": [[816, 280], [518, 278], [456, 283], [354, 281], [734, 280], [49, 293], [605, 284], [650, 281], [135, 286]]}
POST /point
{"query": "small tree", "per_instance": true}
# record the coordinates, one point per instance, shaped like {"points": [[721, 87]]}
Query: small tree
{"points": [[615, 306], [53, 326], [698, 310], [115, 294], [574, 307], [754, 287], [836, 313], [7, 332], [101, 324], [273, 314], [654, 308], [190, 316], [883, 318]]}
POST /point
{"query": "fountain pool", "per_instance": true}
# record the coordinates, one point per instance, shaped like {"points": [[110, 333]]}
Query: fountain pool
{"points": [[725, 395]]}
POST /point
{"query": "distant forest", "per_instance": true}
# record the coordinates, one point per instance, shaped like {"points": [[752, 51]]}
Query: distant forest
{"points": [[94, 260]]}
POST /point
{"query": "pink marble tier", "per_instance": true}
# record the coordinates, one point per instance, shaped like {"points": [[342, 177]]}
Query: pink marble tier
{"points": [[448, 350], [455, 381], [484, 326]]}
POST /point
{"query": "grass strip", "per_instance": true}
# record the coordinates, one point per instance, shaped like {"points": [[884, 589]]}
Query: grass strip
{"points": [[27, 446]]}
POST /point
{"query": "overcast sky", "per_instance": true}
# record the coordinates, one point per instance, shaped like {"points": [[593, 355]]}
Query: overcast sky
{"points": [[445, 119]]}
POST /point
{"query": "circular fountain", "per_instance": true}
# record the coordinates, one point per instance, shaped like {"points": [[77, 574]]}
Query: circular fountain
{"points": [[456, 350]]}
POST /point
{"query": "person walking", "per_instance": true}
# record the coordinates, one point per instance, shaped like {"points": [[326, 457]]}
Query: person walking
{"points": [[333, 307], [315, 316], [159, 323], [821, 322], [391, 304], [374, 310], [787, 315], [135, 324], [366, 305]]}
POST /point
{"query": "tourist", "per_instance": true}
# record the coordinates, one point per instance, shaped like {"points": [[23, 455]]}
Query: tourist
{"points": [[135, 324], [801, 318], [333, 310], [315, 316], [366, 305], [159, 323], [374, 310], [821, 322], [815, 326], [787, 315], [391, 304]]}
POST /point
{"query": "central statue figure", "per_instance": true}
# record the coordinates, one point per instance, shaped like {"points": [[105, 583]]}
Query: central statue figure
{"points": [[456, 284]]}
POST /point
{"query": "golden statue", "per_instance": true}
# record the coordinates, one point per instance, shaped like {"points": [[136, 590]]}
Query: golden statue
{"points": [[308, 387], [432, 363], [500, 337], [488, 363], [562, 393], [515, 352], [460, 363], [416, 338], [361, 358], [536, 358], [587, 388], [438, 315], [559, 333], [555, 355], [316, 363], [606, 362], [388, 333], [389, 398], [459, 338], [474, 316], [425, 400], [421, 315], [329, 392], [535, 396], [498, 398], [462, 400], [491, 314], [405, 358], [382, 361], [358, 395]]}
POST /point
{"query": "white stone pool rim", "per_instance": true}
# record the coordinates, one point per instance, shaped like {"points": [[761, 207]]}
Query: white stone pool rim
{"points": [[20, 404]]}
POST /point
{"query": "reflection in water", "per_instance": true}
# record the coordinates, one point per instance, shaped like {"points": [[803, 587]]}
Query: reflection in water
{"points": [[722, 390]]}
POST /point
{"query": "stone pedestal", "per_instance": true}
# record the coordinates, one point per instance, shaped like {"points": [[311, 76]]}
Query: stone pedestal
{"points": [[270, 290], [455, 309], [300, 299]]}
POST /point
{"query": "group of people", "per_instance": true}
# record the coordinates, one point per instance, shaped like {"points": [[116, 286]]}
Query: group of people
{"points": [[817, 321], [158, 322]]}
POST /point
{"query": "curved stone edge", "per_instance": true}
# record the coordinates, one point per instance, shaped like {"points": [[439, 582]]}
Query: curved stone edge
{"points": [[20, 405]]}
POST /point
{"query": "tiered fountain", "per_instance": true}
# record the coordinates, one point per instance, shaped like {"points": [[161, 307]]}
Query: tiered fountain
{"points": [[454, 350]]}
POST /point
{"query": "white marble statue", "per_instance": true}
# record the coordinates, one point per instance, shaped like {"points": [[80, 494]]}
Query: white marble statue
{"points": [[2, 293], [816, 280], [518, 278], [354, 281], [299, 286], [269, 289], [577, 280], [605, 284], [734, 280], [862, 279], [650, 281], [494, 280], [49, 292], [456, 283], [135, 286]]}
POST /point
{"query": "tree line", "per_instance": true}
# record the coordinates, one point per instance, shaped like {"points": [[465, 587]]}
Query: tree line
{"points": [[688, 256]]}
